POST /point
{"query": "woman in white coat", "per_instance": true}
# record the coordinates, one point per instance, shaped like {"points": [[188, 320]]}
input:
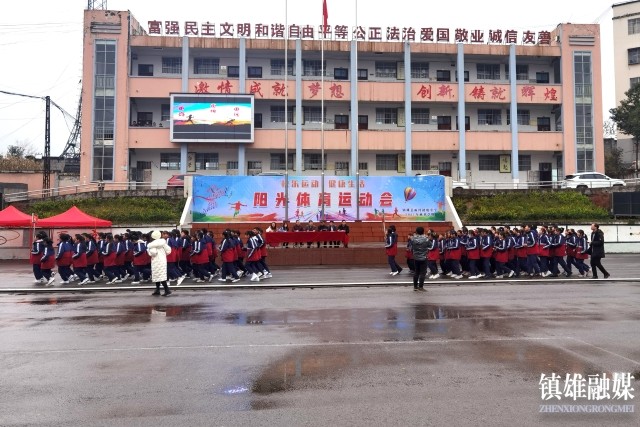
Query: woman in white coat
{"points": [[158, 250]]}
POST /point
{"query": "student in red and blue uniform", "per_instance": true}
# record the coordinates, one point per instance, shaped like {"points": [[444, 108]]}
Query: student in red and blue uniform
{"points": [[48, 261], [109, 259], [253, 256], [141, 259], [228, 255], [92, 257], [544, 251], [558, 252], [64, 258], [128, 255], [531, 240], [433, 256], [408, 253], [99, 267], [582, 253], [391, 249], [502, 256], [521, 252], [79, 259], [37, 250], [121, 250], [200, 258], [473, 254], [173, 272], [240, 251], [262, 264], [463, 237], [185, 250], [486, 251], [454, 254]]}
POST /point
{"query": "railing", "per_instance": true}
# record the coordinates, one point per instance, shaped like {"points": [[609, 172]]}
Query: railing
{"points": [[132, 186], [84, 188]]}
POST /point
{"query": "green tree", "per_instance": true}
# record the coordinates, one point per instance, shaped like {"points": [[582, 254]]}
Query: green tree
{"points": [[613, 165], [627, 116]]}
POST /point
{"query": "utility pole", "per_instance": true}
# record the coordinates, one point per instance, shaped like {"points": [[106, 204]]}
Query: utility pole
{"points": [[635, 143], [46, 184]]}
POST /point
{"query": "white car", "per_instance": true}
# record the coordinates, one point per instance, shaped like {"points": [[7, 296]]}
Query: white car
{"points": [[591, 180]]}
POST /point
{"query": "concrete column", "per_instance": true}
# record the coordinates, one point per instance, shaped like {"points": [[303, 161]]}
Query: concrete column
{"points": [[513, 114], [298, 111], [242, 77], [407, 109], [353, 116], [184, 87], [462, 142]]}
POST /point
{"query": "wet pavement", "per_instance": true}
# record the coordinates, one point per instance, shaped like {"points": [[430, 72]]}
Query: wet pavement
{"points": [[365, 354]]}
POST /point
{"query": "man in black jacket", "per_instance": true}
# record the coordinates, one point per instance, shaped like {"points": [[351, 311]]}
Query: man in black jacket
{"points": [[597, 251], [419, 245]]}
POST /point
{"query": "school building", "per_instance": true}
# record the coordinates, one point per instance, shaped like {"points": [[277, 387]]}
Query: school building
{"points": [[480, 105]]}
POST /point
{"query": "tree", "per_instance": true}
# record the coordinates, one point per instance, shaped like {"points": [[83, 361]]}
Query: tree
{"points": [[613, 165], [627, 117], [20, 149]]}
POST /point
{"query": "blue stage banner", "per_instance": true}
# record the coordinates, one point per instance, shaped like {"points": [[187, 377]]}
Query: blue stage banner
{"points": [[263, 198]]}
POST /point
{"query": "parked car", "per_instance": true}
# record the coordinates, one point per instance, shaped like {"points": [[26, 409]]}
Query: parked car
{"points": [[591, 180], [460, 185], [178, 180]]}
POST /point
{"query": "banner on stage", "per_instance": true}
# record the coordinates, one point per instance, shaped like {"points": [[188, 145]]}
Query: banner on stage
{"points": [[263, 198]]}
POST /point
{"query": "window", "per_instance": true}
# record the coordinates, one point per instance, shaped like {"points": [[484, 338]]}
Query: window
{"points": [[312, 67], [145, 70], [164, 112], [254, 72], [170, 161], [233, 71], [542, 77], [171, 65], [466, 76], [386, 162], [420, 116], [444, 122], [420, 162], [524, 117], [341, 73], [277, 67], [633, 25], [254, 166], [341, 121], [489, 162], [524, 162], [634, 56], [312, 114], [489, 117], [278, 161], [522, 72], [386, 116], [386, 69], [443, 75], [363, 122], [488, 71], [277, 114], [444, 168], [144, 118], [363, 166], [634, 81], [206, 66], [419, 70], [232, 165], [207, 161], [257, 120], [363, 74], [544, 124], [342, 166], [313, 161], [467, 123]]}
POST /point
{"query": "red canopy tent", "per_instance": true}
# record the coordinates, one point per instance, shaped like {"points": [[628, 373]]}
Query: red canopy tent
{"points": [[73, 218], [12, 217]]}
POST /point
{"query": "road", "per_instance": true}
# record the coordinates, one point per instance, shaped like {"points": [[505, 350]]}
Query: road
{"points": [[363, 354]]}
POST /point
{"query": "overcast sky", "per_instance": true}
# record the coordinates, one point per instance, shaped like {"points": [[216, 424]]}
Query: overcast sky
{"points": [[41, 41]]}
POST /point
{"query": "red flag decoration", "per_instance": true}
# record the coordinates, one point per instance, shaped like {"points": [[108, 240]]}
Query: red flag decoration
{"points": [[325, 16]]}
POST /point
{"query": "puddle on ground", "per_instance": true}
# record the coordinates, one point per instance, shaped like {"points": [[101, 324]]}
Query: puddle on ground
{"points": [[52, 300]]}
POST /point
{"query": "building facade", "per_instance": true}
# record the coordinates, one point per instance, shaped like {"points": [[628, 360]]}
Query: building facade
{"points": [[381, 108], [626, 51]]}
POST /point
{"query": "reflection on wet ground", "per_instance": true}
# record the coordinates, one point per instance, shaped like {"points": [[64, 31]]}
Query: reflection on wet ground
{"points": [[362, 338]]}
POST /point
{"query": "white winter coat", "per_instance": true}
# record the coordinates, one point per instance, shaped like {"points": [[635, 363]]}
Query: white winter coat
{"points": [[158, 250]]}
